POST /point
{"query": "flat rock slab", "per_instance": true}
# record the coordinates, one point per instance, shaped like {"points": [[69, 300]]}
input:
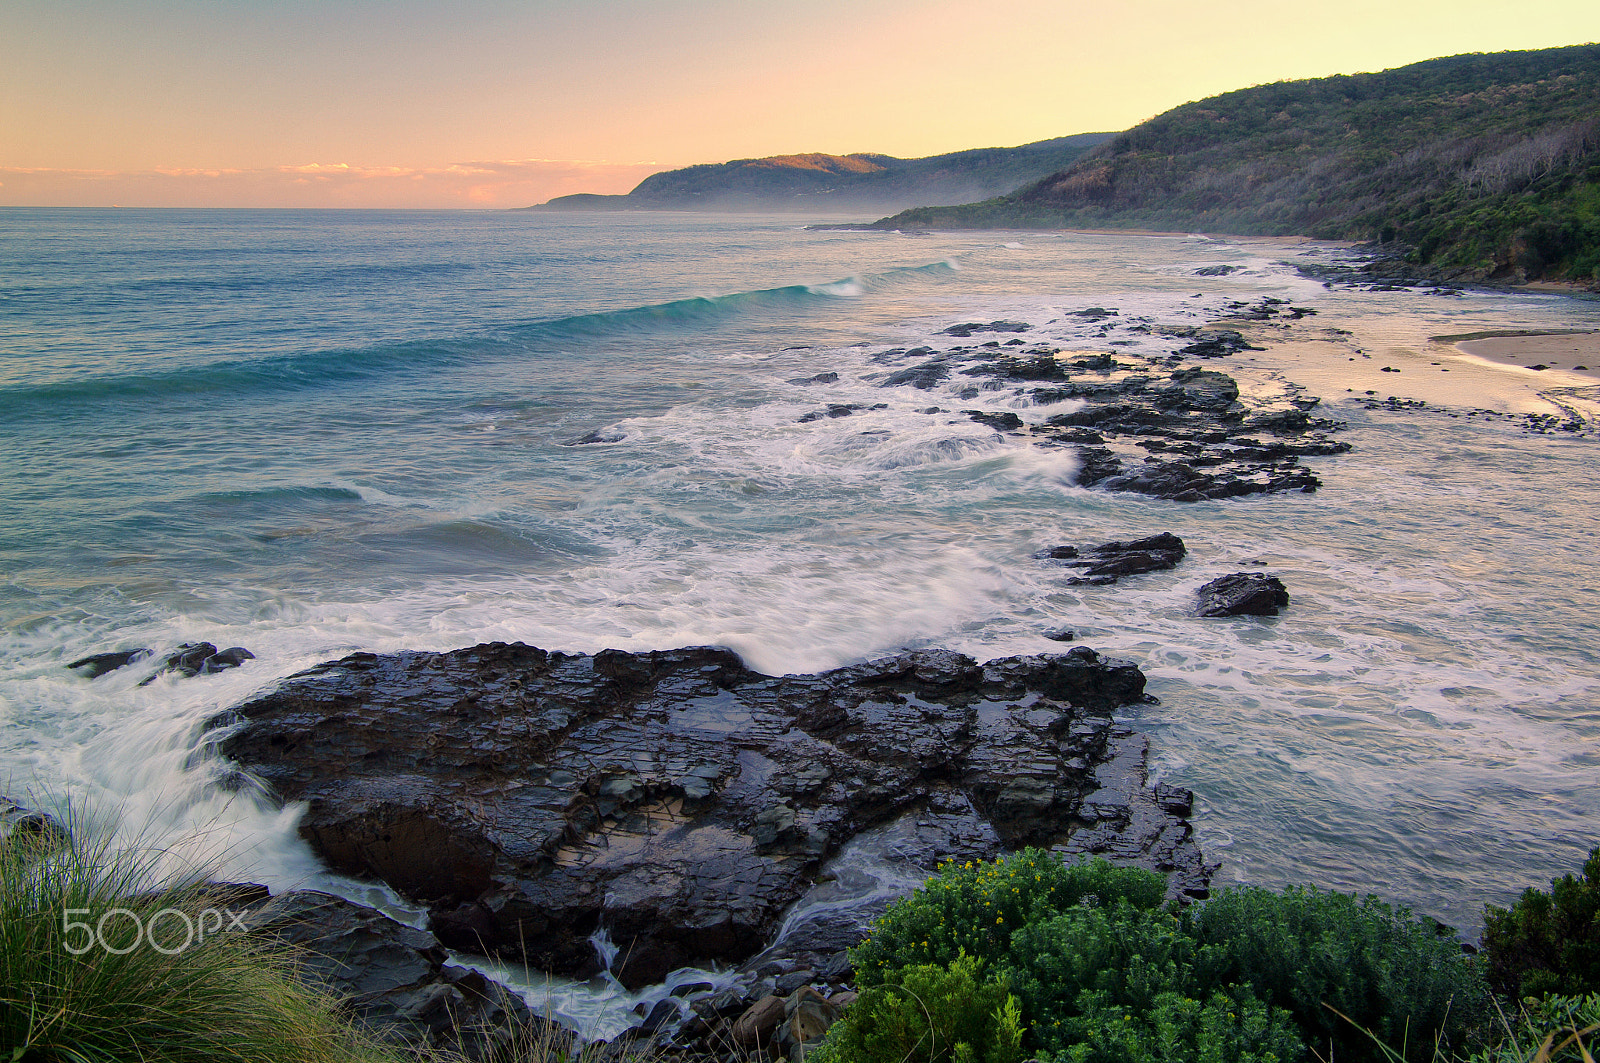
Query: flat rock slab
{"points": [[677, 799]]}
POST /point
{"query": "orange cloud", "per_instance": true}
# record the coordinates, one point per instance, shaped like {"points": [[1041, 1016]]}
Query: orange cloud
{"points": [[505, 183]]}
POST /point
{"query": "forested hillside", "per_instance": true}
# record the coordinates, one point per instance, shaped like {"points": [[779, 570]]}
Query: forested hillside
{"points": [[818, 182], [1488, 166]]}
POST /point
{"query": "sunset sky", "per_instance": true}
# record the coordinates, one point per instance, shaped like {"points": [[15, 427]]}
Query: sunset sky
{"points": [[419, 103]]}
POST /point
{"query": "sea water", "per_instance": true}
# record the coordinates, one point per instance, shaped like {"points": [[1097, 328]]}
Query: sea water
{"points": [[309, 433]]}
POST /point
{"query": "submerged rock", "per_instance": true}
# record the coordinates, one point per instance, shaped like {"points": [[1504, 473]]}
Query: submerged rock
{"points": [[1243, 594], [678, 799], [968, 328]]}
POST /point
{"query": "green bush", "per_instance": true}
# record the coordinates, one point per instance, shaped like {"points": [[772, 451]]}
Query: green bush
{"points": [[1309, 952], [1119, 985], [1233, 1028], [975, 908], [929, 1014], [1105, 973], [226, 997], [1548, 942]]}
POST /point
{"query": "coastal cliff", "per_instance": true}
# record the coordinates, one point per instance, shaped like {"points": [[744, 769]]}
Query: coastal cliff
{"points": [[1481, 167]]}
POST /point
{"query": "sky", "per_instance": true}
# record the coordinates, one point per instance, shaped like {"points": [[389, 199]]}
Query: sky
{"points": [[493, 103]]}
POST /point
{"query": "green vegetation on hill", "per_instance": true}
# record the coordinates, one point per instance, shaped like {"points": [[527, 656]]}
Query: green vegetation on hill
{"points": [[842, 182], [1488, 166]]}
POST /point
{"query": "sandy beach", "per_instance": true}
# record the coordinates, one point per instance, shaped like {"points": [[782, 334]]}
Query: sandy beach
{"points": [[1568, 352], [1338, 359]]}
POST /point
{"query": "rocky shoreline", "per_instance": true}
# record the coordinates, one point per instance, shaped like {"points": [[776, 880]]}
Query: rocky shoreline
{"points": [[693, 812], [1152, 425]]}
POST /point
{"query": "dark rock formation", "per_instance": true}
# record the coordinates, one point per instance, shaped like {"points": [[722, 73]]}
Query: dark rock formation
{"points": [[967, 329], [1243, 594], [199, 658], [393, 978], [836, 409], [96, 665], [1218, 344], [676, 798], [1000, 422], [924, 376], [1106, 563], [188, 660], [17, 821]]}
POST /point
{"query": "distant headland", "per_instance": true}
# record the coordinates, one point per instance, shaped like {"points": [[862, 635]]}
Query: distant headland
{"points": [[866, 183], [1472, 167]]}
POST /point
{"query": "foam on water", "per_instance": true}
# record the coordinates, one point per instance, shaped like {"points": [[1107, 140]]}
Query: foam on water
{"points": [[1421, 722]]}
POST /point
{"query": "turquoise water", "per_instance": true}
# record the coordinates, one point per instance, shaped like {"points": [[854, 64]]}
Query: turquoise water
{"points": [[312, 432]]}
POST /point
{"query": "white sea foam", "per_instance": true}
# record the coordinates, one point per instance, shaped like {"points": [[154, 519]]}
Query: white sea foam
{"points": [[1420, 722]]}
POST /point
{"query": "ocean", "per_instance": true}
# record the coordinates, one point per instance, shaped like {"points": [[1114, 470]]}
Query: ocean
{"points": [[308, 433]]}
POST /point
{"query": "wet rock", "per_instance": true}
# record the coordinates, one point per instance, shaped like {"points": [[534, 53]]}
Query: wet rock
{"points": [[1000, 422], [1096, 465], [1008, 367], [1243, 594], [967, 329], [808, 1015], [676, 797], [599, 435], [96, 665], [1198, 389], [394, 979], [665, 1013], [1061, 635], [834, 410], [18, 822], [1216, 271], [199, 658], [1218, 344], [1094, 313], [759, 1022], [924, 376], [820, 378], [1106, 563]]}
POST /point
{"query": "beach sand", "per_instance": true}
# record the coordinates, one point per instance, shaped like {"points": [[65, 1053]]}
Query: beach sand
{"points": [[1571, 352], [1340, 360]]}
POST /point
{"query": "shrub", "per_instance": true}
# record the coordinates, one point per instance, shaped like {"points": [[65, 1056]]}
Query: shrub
{"points": [[223, 997], [929, 1014], [1548, 942], [1308, 952], [975, 908], [1118, 985], [1225, 1029]]}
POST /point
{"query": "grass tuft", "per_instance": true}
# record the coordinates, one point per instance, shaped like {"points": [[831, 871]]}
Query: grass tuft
{"points": [[133, 980]]}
